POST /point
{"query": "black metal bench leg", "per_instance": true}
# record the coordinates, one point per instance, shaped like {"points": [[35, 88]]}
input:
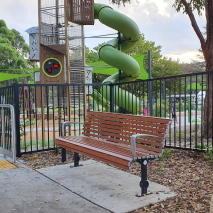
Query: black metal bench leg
{"points": [[76, 159], [144, 184], [63, 155]]}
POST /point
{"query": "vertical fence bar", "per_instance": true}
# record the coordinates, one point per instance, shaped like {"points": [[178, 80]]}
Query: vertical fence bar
{"points": [[180, 110], [111, 97], [208, 112], [17, 119], [3, 129], [196, 115], [160, 98], [202, 100], [189, 110], [212, 106], [150, 82], [185, 114]]}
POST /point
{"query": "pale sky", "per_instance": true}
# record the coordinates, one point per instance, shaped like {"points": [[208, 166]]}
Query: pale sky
{"points": [[157, 20]]}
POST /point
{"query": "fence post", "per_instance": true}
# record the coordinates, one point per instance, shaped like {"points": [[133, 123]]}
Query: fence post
{"points": [[111, 97], [17, 116], [150, 83]]}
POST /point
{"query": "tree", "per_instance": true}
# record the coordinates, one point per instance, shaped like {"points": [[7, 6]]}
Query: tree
{"points": [[13, 51], [161, 66], [189, 7]]}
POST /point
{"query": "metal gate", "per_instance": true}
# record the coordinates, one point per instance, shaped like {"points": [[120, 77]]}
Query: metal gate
{"points": [[7, 132]]}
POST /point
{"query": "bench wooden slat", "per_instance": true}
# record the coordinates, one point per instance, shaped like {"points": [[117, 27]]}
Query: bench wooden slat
{"points": [[132, 117], [98, 152], [121, 148], [126, 138], [124, 126], [126, 122], [152, 149], [74, 149], [129, 132]]}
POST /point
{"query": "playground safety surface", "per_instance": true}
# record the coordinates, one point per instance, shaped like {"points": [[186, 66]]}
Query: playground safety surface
{"points": [[93, 187]]}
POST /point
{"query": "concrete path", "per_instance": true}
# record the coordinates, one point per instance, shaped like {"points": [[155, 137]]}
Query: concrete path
{"points": [[94, 187], [106, 186], [23, 190]]}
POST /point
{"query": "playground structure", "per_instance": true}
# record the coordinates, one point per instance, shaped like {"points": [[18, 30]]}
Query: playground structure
{"points": [[58, 44], [61, 37]]}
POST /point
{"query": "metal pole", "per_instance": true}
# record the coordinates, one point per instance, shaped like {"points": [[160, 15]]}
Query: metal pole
{"points": [[3, 129], [119, 48], [17, 119], [8, 83], [111, 97], [164, 90], [150, 83]]}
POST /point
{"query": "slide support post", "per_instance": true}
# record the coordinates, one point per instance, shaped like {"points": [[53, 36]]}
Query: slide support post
{"points": [[150, 83]]}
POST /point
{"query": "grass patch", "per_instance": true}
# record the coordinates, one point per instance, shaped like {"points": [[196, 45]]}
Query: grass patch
{"points": [[39, 142]]}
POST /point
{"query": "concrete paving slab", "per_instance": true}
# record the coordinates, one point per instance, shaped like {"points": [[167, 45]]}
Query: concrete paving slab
{"points": [[106, 186], [23, 190]]}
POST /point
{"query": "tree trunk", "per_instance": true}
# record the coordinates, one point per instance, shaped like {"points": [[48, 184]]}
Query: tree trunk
{"points": [[208, 104]]}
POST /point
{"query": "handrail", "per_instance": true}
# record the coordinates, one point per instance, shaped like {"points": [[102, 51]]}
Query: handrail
{"points": [[3, 150]]}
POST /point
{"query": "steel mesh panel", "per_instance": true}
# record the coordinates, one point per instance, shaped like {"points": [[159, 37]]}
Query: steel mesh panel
{"points": [[52, 22], [76, 54], [81, 11], [53, 32], [60, 96]]}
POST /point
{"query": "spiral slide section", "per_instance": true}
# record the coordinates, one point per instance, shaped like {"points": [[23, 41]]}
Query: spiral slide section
{"points": [[110, 54]]}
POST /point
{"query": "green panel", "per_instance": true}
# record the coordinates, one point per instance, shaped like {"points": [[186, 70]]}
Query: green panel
{"points": [[110, 71], [28, 69], [193, 86], [6, 76]]}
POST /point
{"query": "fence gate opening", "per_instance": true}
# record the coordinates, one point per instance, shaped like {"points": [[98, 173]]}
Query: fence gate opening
{"points": [[7, 132]]}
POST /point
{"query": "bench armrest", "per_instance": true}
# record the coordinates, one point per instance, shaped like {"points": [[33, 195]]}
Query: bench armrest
{"points": [[66, 123], [133, 143]]}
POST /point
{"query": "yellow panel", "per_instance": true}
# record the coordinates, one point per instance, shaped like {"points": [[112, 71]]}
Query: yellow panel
{"points": [[4, 164]]}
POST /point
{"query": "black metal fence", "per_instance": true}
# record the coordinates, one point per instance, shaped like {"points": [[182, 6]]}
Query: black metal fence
{"points": [[40, 109], [6, 97]]}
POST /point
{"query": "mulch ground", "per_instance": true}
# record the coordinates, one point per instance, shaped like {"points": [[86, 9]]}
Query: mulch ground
{"points": [[187, 173]]}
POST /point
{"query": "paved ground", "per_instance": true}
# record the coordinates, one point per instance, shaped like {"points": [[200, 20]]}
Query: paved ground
{"points": [[94, 187]]}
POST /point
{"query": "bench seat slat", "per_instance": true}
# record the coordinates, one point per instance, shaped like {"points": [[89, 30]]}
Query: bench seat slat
{"points": [[74, 149], [123, 149]]}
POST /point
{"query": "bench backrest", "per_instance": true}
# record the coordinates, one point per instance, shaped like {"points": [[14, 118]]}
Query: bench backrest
{"points": [[119, 128]]}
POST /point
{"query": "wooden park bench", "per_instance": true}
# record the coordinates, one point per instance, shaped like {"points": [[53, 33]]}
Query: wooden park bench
{"points": [[118, 139]]}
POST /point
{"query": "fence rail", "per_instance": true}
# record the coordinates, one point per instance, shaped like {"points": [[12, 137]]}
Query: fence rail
{"points": [[40, 109]]}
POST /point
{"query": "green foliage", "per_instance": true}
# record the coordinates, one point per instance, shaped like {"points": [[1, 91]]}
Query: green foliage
{"points": [[167, 154], [13, 51], [159, 110], [25, 124], [202, 146], [57, 150], [160, 168], [161, 67], [209, 152], [118, 2], [195, 5], [39, 143], [179, 107]]}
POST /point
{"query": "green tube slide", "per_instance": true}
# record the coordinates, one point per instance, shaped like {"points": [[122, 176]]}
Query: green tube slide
{"points": [[110, 54]]}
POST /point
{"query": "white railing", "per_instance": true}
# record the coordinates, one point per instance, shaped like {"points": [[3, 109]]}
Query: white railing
{"points": [[3, 150]]}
